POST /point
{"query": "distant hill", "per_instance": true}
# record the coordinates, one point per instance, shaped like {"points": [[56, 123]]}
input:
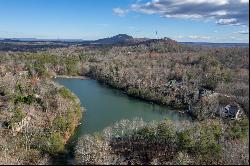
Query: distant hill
{"points": [[118, 39], [121, 38], [38, 40], [216, 45], [164, 41]]}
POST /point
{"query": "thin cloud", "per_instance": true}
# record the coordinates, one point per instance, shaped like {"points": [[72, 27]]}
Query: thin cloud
{"points": [[225, 12], [120, 12], [193, 37], [230, 21], [244, 32], [199, 37]]}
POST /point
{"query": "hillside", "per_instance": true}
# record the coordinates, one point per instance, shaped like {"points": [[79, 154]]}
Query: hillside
{"points": [[118, 39], [34, 124], [198, 81]]}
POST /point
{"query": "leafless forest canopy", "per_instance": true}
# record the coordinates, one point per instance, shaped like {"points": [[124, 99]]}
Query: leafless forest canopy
{"points": [[37, 116]]}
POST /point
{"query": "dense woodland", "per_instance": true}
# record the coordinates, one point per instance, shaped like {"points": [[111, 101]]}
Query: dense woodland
{"points": [[166, 143], [37, 117], [160, 71]]}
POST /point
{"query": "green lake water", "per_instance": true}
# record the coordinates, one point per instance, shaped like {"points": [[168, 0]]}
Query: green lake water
{"points": [[105, 106]]}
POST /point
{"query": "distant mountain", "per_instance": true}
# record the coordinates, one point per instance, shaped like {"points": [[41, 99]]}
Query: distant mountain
{"points": [[39, 40], [118, 39], [164, 41], [121, 38], [125, 39], [216, 45], [17, 39]]}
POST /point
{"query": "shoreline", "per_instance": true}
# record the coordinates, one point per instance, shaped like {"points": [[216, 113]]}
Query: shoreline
{"points": [[180, 111], [70, 77]]}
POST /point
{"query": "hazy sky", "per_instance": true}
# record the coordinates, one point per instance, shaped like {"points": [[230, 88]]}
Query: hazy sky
{"points": [[182, 20]]}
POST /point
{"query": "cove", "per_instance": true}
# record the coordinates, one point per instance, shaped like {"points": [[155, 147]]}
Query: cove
{"points": [[105, 106]]}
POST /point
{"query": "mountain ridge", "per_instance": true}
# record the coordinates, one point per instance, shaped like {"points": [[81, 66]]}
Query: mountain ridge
{"points": [[123, 39]]}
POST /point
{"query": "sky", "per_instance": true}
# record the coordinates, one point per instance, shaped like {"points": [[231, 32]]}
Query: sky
{"points": [[183, 20]]}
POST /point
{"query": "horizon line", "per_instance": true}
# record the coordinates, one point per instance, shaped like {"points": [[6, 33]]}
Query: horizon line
{"points": [[58, 39]]}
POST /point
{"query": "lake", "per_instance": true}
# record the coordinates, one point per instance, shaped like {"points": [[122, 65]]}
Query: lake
{"points": [[105, 106]]}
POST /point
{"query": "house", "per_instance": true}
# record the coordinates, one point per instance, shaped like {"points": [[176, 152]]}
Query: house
{"points": [[203, 92], [20, 125], [232, 111], [23, 73], [37, 96], [8, 74], [153, 54], [172, 83]]}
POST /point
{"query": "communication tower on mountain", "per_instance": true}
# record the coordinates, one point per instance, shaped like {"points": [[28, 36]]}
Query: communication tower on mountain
{"points": [[156, 34]]}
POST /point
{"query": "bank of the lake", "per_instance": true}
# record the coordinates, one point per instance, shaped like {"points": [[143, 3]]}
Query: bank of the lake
{"points": [[69, 77], [105, 106]]}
